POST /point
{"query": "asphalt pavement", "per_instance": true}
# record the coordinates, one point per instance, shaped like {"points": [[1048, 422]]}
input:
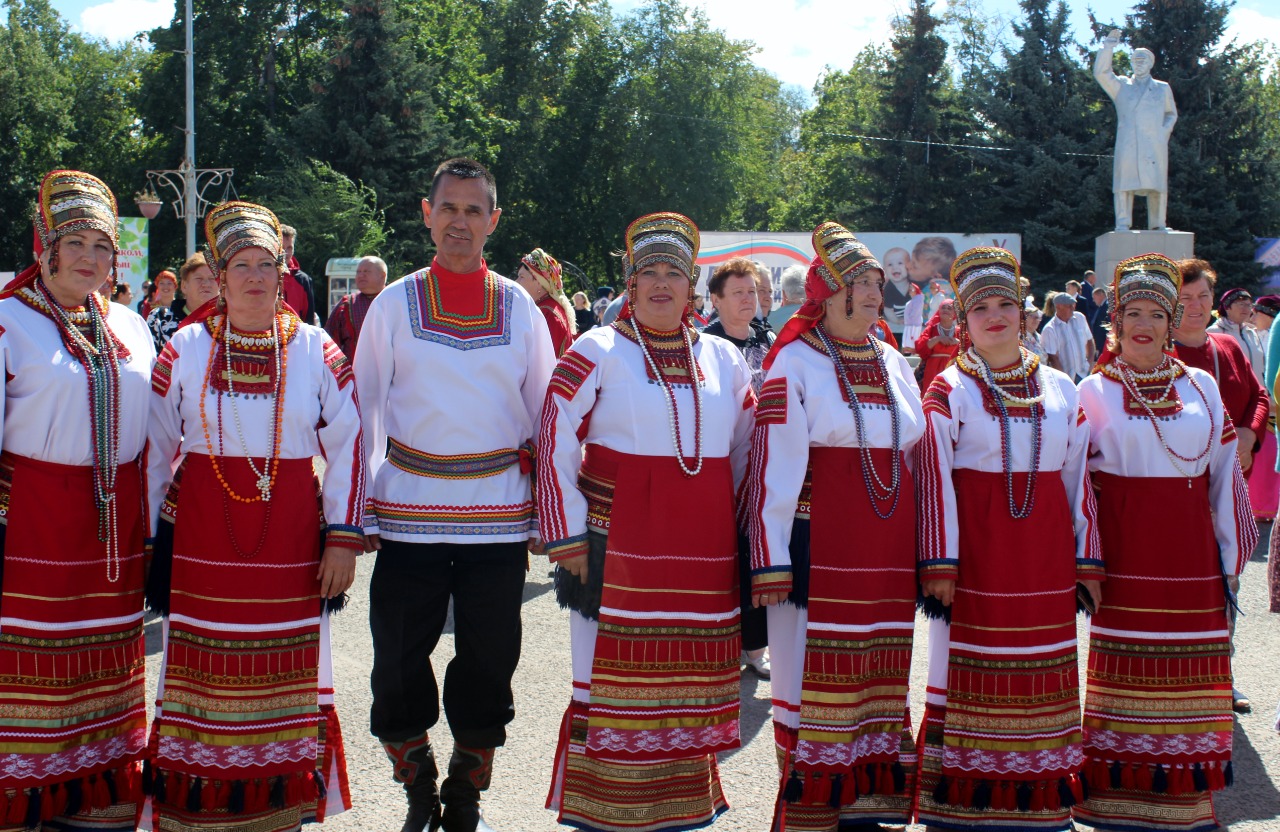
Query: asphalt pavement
{"points": [[522, 769]]}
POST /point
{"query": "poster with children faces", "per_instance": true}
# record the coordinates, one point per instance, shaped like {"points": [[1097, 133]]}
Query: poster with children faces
{"points": [[914, 263]]}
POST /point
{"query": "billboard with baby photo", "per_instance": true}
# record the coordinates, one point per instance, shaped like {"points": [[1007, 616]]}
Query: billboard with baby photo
{"points": [[914, 263]]}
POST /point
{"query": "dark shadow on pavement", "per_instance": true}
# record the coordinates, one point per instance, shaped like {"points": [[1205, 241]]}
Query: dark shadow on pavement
{"points": [[756, 713], [535, 590], [151, 633], [1254, 796]]}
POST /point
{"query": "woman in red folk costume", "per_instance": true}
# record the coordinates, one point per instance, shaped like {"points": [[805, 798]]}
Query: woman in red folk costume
{"points": [[938, 344], [247, 566], [72, 695], [539, 275], [644, 534], [1007, 528], [1157, 713], [838, 415]]}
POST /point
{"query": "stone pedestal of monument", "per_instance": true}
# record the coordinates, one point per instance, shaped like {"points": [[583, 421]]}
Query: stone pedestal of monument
{"points": [[1114, 246]]}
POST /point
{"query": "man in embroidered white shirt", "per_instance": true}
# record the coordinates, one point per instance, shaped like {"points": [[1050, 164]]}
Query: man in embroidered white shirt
{"points": [[452, 366]]}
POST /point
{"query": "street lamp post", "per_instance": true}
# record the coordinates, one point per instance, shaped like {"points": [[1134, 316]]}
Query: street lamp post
{"points": [[188, 182], [188, 165]]}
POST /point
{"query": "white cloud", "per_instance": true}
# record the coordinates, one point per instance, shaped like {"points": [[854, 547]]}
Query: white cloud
{"points": [[1248, 25], [797, 43], [798, 38], [121, 20]]}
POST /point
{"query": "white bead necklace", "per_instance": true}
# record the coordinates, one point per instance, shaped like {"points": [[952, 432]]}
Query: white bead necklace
{"points": [[1027, 367], [1127, 379], [263, 478], [673, 415], [1130, 377]]}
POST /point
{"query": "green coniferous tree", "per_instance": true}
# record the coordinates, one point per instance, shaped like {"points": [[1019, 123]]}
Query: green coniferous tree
{"points": [[1041, 104], [916, 186], [375, 120]]}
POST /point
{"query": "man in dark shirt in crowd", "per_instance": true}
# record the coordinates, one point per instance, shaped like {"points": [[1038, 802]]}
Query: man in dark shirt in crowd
{"points": [[1099, 317], [298, 288]]}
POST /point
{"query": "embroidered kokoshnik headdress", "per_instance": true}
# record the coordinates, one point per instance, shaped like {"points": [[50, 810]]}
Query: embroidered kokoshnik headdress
{"points": [[663, 237], [69, 201], [985, 272], [1152, 277], [235, 226], [840, 259], [232, 227]]}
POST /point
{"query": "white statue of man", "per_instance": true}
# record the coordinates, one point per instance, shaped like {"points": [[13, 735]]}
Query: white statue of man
{"points": [[1145, 117]]}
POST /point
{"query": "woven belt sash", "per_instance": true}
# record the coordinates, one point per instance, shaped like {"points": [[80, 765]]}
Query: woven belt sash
{"points": [[459, 466]]}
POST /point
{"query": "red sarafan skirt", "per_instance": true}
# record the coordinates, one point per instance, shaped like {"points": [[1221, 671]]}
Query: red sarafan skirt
{"points": [[844, 732], [663, 698], [1157, 714], [1004, 749], [72, 691], [245, 731]]}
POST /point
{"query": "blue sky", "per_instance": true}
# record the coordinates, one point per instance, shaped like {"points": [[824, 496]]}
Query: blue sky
{"points": [[797, 38]]}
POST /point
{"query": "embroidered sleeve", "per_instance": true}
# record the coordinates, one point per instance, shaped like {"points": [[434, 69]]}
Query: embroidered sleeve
{"points": [[938, 531], [164, 432], [342, 444], [569, 375], [374, 365], [541, 357], [779, 459], [562, 508], [337, 362], [1075, 479], [1228, 429], [162, 372]]}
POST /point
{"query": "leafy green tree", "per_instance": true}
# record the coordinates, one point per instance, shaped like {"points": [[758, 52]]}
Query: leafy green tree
{"points": [[834, 180], [255, 63], [339, 216], [655, 111], [572, 184], [66, 102]]}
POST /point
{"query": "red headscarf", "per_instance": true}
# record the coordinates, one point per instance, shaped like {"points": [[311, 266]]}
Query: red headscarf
{"points": [[839, 259], [27, 276], [816, 291]]}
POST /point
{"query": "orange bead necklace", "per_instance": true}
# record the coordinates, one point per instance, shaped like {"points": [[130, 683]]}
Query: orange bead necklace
{"points": [[266, 478]]}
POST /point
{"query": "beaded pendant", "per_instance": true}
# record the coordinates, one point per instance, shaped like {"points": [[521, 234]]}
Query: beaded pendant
{"points": [[1023, 378], [877, 489], [1157, 406], [691, 371]]}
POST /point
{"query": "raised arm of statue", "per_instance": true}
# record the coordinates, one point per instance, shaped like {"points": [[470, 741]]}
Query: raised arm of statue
{"points": [[1102, 70]]}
